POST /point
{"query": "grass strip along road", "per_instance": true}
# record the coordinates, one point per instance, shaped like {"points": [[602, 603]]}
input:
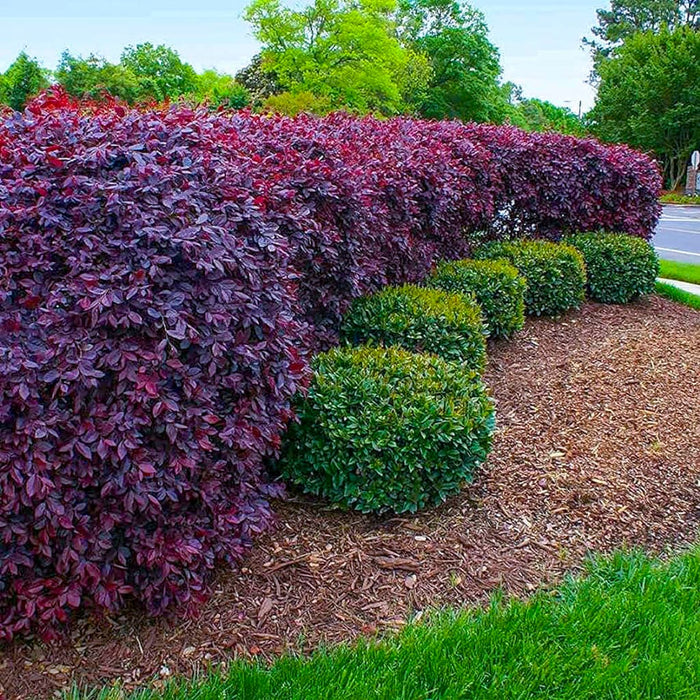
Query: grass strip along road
{"points": [[684, 272]]}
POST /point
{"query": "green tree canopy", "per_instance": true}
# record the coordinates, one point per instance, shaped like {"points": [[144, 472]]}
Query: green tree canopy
{"points": [[540, 115], [532, 114], [649, 96], [93, 76], [465, 64], [293, 103], [147, 73], [344, 51], [161, 72], [21, 81], [259, 80], [627, 17], [221, 90]]}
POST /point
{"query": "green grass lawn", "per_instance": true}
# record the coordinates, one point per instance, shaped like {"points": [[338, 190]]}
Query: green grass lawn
{"points": [[675, 198], [686, 272], [629, 629], [679, 295]]}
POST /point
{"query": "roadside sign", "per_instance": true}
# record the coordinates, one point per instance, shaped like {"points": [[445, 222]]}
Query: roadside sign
{"points": [[695, 159]]}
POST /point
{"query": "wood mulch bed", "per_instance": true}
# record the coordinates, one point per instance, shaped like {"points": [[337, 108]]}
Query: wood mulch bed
{"points": [[598, 446]]}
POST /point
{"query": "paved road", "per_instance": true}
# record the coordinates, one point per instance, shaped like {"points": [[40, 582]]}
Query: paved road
{"points": [[677, 236]]}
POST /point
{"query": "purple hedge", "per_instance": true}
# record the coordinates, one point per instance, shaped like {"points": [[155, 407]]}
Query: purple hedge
{"points": [[550, 184], [378, 202], [164, 276], [147, 361]]}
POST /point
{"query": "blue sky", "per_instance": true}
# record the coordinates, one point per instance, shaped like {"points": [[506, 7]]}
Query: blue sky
{"points": [[540, 42]]}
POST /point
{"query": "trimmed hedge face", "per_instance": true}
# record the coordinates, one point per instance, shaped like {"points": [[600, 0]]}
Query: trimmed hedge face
{"points": [[422, 320], [555, 273], [497, 287], [147, 362], [551, 184], [388, 430], [620, 268], [159, 271], [371, 203]]}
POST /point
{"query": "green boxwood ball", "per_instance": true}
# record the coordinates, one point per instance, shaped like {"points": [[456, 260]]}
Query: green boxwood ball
{"points": [[386, 430], [422, 320], [621, 268], [496, 286], [555, 273]]}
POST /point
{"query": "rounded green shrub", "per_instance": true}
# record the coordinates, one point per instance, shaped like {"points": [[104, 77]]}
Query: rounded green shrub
{"points": [[422, 320], [620, 268], [555, 273], [383, 429], [496, 286]]}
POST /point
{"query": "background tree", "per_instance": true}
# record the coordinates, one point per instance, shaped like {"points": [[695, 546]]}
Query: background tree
{"points": [[160, 71], [221, 90], [293, 103], [649, 96], [532, 114], [343, 51], [259, 80], [465, 64], [540, 115], [147, 73], [627, 17], [93, 76], [21, 81], [508, 104]]}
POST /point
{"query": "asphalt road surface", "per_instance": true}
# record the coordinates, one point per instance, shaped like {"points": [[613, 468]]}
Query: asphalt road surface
{"points": [[677, 236]]}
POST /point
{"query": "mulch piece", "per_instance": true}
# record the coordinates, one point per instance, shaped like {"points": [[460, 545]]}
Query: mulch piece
{"points": [[598, 447]]}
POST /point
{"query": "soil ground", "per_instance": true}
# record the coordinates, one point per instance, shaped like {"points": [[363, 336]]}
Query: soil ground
{"points": [[598, 447]]}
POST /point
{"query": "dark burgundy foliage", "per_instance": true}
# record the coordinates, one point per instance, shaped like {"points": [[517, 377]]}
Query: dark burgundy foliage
{"points": [[550, 184], [147, 360], [377, 202], [164, 276]]}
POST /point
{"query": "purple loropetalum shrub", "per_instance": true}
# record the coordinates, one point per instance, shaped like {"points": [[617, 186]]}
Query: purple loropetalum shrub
{"points": [[147, 359], [379, 202], [552, 184], [166, 274]]}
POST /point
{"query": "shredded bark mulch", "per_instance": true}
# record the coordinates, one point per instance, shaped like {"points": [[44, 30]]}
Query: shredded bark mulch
{"points": [[598, 446]]}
